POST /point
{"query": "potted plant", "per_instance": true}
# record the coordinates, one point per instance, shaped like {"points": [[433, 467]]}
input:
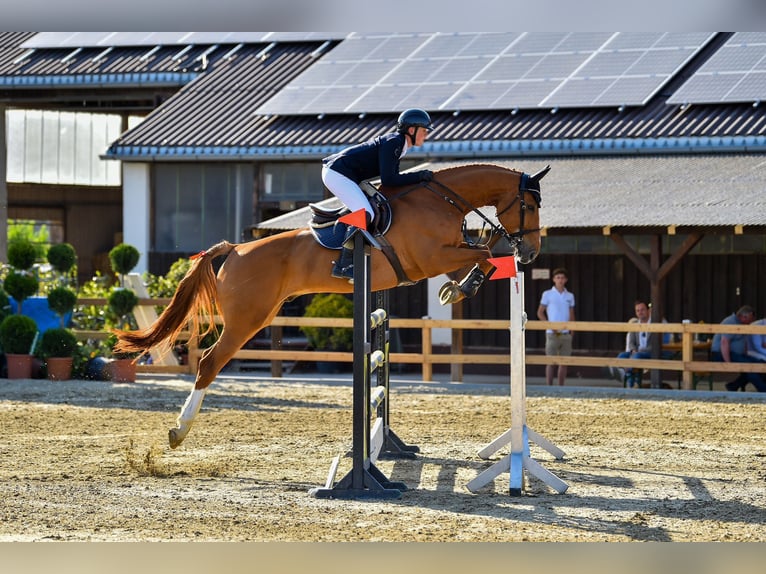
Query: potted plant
{"points": [[121, 302], [329, 338], [123, 258], [17, 337], [122, 367], [58, 347], [61, 300]]}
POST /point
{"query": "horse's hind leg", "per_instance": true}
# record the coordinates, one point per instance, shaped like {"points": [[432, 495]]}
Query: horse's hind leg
{"points": [[211, 363]]}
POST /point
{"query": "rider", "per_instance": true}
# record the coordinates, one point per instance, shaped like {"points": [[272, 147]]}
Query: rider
{"points": [[344, 171]]}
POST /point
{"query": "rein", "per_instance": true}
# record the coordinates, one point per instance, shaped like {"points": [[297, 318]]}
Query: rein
{"points": [[513, 238]]}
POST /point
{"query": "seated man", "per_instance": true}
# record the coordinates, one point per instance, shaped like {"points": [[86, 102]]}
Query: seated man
{"points": [[756, 344], [732, 348], [637, 344]]}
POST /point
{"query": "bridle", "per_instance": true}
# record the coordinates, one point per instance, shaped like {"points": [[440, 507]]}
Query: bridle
{"points": [[526, 185]]}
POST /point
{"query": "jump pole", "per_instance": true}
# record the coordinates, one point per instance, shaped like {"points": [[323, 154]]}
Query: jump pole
{"points": [[519, 434], [365, 480]]}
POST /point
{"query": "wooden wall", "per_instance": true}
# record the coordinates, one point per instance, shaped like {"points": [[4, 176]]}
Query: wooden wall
{"points": [[91, 217]]}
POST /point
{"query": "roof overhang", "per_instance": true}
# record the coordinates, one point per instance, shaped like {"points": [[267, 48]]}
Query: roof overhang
{"points": [[666, 194]]}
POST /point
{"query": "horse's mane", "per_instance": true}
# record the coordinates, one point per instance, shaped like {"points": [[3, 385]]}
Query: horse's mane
{"points": [[461, 167]]}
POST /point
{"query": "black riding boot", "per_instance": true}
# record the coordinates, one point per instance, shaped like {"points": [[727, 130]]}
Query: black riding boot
{"points": [[344, 264], [343, 267]]}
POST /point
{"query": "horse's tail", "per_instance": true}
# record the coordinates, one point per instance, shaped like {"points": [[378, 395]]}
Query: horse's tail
{"points": [[196, 293]]}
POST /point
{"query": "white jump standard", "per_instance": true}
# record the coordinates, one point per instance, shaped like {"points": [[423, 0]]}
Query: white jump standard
{"points": [[518, 435]]}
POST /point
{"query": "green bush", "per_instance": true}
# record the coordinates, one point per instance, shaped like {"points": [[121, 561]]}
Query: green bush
{"points": [[20, 286], [122, 301], [62, 257], [61, 300], [30, 231], [123, 258], [17, 333], [330, 338], [166, 285], [58, 342], [22, 254]]}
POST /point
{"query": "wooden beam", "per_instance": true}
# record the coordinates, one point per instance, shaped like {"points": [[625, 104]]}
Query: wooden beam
{"points": [[739, 229], [606, 230], [632, 254], [689, 243]]}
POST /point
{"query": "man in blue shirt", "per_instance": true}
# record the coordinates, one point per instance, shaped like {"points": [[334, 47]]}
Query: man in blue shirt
{"points": [[732, 348]]}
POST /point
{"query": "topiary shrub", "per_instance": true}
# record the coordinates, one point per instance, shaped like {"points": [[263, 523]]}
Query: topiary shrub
{"points": [[62, 257], [22, 254], [58, 342], [123, 258], [61, 300], [17, 333], [330, 338], [20, 286], [122, 301]]}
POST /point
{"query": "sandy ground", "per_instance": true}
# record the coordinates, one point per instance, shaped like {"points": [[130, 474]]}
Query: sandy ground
{"points": [[89, 461]]}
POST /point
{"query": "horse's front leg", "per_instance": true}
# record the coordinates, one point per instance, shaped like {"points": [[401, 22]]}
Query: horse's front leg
{"points": [[454, 291]]}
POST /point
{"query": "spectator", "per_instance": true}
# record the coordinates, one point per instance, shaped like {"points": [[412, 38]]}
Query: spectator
{"points": [[756, 344], [637, 344], [557, 304], [732, 348]]}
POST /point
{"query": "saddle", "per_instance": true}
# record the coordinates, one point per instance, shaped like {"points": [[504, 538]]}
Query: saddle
{"points": [[329, 232]]}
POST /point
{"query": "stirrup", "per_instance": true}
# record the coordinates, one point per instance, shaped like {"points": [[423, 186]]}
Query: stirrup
{"points": [[343, 267]]}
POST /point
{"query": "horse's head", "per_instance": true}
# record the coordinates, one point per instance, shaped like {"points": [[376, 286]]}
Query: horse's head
{"points": [[521, 218]]}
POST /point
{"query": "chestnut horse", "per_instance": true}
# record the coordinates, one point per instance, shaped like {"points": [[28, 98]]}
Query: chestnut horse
{"points": [[257, 277]]}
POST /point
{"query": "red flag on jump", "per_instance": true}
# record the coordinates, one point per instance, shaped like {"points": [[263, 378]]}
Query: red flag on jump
{"points": [[356, 218], [505, 267]]}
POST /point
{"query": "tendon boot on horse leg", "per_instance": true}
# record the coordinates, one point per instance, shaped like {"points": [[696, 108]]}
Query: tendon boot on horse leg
{"points": [[452, 291], [185, 420]]}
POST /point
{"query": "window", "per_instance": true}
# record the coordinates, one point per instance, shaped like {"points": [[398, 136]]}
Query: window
{"points": [[291, 182], [197, 205], [61, 147]]}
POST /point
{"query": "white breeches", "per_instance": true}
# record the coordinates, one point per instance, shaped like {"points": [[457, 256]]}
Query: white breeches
{"points": [[346, 190]]}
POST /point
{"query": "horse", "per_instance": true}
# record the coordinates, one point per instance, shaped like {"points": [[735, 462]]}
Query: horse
{"points": [[257, 277]]}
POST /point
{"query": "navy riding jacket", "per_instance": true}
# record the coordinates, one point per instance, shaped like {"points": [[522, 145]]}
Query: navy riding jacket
{"points": [[376, 157]]}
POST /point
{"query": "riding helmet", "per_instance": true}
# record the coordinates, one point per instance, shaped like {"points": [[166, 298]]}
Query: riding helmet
{"points": [[413, 117]]}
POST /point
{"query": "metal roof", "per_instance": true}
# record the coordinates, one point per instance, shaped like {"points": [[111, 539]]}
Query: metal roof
{"points": [[710, 191], [203, 100]]}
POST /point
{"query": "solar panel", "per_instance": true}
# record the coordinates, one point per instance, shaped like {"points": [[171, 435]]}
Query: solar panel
{"points": [[735, 73], [96, 39], [382, 73]]}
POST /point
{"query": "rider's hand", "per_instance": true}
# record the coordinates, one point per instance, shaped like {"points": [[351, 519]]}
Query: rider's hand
{"points": [[426, 175]]}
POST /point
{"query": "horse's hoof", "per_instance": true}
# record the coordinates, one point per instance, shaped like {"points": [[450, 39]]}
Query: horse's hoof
{"points": [[175, 437], [449, 293]]}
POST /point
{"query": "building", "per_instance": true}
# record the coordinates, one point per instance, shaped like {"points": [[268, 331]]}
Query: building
{"points": [[657, 142]]}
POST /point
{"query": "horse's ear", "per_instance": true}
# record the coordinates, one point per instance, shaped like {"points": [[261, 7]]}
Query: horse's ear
{"points": [[540, 174]]}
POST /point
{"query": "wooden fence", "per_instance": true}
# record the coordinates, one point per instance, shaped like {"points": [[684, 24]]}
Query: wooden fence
{"points": [[684, 361]]}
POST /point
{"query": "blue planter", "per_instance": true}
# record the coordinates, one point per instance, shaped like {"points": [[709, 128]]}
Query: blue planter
{"points": [[37, 309]]}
